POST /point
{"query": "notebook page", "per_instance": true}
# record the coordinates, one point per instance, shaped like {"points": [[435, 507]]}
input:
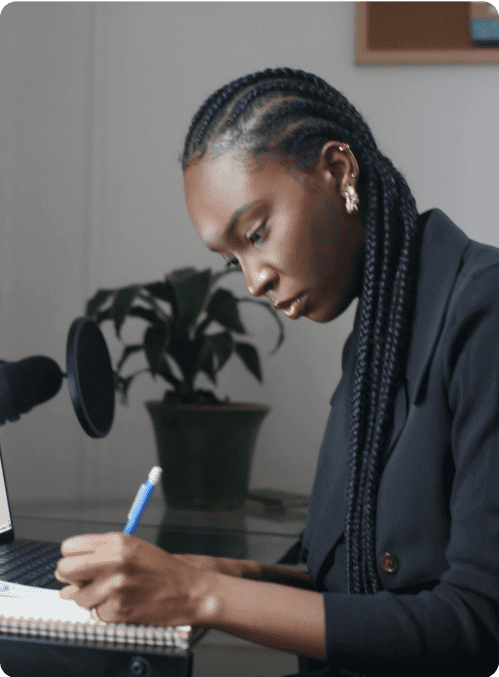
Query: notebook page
{"points": [[31, 602], [24, 601]]}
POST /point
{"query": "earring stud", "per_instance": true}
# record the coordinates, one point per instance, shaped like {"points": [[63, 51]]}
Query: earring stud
{"points": [[343, 147]]}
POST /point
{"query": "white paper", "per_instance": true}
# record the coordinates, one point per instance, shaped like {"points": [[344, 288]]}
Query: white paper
{"points": [[23, 601]]}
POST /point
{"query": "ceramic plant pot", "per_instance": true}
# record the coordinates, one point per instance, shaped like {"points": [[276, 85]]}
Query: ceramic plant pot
{"points": [[205, 452]]}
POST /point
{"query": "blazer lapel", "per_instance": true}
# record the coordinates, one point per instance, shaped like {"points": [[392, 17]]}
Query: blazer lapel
{"points": [[441, 253], [443, 244], [326, 513]]}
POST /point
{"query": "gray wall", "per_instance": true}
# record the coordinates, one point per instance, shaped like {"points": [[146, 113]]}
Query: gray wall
{"points": [[95, 102]]}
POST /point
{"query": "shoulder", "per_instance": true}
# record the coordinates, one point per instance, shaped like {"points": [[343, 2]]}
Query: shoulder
{"points": [[452, 269], [452, 264], [471, 334], [477, 282], [475, 257], [478, 258]]}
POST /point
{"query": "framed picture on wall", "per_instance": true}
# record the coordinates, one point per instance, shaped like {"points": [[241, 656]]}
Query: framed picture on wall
{"points": [[426, 32]]}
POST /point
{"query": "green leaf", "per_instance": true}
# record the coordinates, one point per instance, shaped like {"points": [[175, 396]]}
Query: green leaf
{"points": [[161, 290], [164, 370], [124, 384], [98, 300], [222, 308], [219, 346], [123, 387], [222, 345], [185, 353], [181, 275], [191, 290], [209, 368], [275, 314], [249, 356], [215, 277], [145, 314], [103, 315], [201, 327], [122, 302], [129, 350], [156, 340]]}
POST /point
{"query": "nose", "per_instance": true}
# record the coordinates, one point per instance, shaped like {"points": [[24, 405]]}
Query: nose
{"points": [[259, 279]]}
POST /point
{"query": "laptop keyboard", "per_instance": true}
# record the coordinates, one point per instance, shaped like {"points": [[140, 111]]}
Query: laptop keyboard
{"points": [[30, 563]]}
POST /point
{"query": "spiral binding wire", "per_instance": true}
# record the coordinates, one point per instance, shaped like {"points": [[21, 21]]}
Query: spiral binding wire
{"points": [[120, 633]]}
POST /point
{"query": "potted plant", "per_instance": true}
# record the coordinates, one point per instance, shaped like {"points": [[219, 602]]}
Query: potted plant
{"points": [[205, 445]]}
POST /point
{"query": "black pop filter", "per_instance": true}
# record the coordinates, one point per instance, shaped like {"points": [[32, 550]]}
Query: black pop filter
{"points": [[91, 379]]}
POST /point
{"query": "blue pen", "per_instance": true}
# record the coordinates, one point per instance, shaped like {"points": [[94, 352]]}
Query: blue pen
{"points": [[143, 495]]}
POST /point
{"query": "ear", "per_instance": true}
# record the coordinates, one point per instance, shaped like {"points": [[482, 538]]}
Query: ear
{"points": [[339, 162]]}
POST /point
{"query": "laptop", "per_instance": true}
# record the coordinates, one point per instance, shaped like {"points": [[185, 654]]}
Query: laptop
{"points": [[23, 561]]}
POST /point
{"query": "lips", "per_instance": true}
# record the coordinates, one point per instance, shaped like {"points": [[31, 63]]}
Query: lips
{"points": [[295, 307], [284, 304]]}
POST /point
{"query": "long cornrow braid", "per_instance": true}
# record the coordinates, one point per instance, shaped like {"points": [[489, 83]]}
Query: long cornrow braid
{"points": [[294, 113]]}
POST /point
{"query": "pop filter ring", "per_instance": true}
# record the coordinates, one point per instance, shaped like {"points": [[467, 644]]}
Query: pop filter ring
{"points": [[91, 379]]}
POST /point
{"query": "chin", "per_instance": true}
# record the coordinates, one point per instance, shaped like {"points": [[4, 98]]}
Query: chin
{"points": [[322, 316]]}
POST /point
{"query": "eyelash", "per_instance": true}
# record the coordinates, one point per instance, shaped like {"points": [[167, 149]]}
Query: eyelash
{"points": [[233, 261]]}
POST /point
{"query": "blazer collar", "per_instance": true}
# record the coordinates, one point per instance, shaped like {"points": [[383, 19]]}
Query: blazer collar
{"points": [[442, 247], [440, 259]]}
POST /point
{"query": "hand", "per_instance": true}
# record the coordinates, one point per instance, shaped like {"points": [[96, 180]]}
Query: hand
{"points": [[128, 580]]}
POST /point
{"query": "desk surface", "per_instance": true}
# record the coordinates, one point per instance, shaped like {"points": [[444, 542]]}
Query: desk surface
{"points": [[253, 518], [251, 533]]}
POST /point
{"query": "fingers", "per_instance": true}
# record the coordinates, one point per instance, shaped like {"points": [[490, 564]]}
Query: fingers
{"points": [[64, 579], [85, 557], [68, 592], [79, 569], [78, 545], [80, 596], [93, 594]]}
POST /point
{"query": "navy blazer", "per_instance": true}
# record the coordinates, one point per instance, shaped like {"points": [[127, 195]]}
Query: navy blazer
{"points": [[438, 500]]}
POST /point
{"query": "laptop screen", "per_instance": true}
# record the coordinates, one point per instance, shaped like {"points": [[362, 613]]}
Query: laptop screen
{"points": [[5, 519]]}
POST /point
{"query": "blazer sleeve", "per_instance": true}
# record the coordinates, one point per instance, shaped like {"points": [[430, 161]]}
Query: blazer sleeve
{"points": [[456, 622]]}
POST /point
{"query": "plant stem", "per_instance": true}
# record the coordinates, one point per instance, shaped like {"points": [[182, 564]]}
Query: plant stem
{"points": [[150, 299]]}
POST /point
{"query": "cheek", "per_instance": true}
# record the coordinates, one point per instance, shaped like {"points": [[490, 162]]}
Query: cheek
{"points": [[321, 249], [309, 246]]}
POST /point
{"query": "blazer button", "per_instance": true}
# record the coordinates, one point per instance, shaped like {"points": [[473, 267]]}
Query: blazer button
{"points": [[389, 563]]}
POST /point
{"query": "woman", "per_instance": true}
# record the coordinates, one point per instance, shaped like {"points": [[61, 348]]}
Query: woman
{"points": [[284, 179]]}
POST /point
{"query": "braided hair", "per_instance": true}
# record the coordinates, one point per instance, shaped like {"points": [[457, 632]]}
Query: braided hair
{"points": [[294, 114]]}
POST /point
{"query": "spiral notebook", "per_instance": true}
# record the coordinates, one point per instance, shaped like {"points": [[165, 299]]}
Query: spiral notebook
{"points": [[40, 612]]}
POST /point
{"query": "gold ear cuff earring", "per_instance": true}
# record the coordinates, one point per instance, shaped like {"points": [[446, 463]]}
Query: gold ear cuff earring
{"points": [[351, 197]]}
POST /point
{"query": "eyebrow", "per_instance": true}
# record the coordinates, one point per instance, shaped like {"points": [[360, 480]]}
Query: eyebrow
{"points": [[237, 214]]}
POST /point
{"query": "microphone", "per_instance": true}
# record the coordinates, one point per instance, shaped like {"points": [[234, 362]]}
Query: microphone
{"points": [[26, 383]]}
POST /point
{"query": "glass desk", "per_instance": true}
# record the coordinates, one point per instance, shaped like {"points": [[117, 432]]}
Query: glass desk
{"points": [[253, 533]]}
